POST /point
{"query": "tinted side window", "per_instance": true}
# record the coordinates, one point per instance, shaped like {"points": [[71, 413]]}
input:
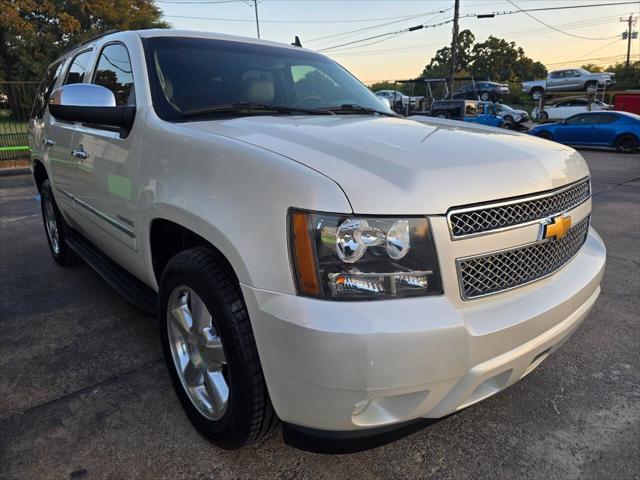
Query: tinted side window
{"points": [[78, 68], [46, 87], [579, 120], [556, 74], [607, 118], [114, 72]]}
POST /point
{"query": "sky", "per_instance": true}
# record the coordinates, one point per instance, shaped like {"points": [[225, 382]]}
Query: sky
{"points": [[404, 56]]}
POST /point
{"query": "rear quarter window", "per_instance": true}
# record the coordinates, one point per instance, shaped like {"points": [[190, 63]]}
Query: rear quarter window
{"points": [[46, 87]]}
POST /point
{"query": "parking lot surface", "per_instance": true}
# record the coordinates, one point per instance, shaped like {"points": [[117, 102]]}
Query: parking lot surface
{"points": [[84, 392]]}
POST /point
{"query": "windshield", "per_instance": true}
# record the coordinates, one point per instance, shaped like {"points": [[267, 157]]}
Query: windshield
{"points": [[196, 74]]}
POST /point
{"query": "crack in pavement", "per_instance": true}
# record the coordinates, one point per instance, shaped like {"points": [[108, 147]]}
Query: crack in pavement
{"points": [[75, 393]]}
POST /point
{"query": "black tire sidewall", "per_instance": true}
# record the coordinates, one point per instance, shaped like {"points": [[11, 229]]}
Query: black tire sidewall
{"points": [[66, 255], [545, 135], [621, 138], [227, 432]]}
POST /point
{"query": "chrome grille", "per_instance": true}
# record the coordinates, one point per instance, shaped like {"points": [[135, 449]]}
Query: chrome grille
{"points": [[507, 269], [482, 219]]}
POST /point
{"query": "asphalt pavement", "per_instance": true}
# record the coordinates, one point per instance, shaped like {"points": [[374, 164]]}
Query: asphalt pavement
{"points": [[84, 393]]}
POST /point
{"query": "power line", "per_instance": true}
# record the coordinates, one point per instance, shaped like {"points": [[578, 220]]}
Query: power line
{"points": [[512, 12], [355, 20], [526, 12], [348, 32]]}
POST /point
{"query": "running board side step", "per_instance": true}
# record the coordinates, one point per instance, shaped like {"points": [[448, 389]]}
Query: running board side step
{"points": [[133, 290]]}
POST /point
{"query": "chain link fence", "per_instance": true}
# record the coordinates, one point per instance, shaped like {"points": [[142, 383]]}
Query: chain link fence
{"points": [[16, 99]]}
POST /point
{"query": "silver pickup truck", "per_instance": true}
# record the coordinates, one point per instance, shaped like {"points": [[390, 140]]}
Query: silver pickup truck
{"points": [[568, 81]]}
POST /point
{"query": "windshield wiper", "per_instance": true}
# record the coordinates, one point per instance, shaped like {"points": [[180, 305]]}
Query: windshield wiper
{"points": [[252, 107], [354, 107]]}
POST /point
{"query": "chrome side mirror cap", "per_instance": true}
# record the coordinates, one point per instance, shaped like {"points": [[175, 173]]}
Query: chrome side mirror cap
{"points": [[91, 104], [83, 95]]}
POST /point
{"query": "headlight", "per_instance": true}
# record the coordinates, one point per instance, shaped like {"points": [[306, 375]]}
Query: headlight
{"points": [[353, 257]]}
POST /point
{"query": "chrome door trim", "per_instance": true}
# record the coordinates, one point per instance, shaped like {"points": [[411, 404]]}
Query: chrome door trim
{"points": [[127, 231]]}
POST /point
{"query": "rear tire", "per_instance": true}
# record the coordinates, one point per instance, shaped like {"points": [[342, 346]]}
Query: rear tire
{"points": [[485, 96], [626, 144], [55, 228], [536, 93], [543, 116], [230, 381], [591, 87]]}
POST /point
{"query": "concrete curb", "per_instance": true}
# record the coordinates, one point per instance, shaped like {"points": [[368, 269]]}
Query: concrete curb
{"points": [[6, 172]]}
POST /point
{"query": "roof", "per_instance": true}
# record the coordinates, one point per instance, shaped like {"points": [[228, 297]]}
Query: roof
{"points": [[168, 32]]}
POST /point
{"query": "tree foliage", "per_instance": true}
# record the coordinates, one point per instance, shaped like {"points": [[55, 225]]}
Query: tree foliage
{"points": [[34, 32], [495, 59]]}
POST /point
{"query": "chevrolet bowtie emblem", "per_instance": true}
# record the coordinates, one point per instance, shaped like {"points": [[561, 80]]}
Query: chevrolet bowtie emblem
{"points": [[555, 227]]}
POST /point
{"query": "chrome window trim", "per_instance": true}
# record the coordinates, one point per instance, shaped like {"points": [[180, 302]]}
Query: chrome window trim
{"points": [[508, 249], [504, 203], [99, 214]]}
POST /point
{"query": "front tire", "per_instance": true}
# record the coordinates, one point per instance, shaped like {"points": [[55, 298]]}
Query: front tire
{"points": [[626, 144], [210, 350], [545, 135], [485, 96], [55, 228]]}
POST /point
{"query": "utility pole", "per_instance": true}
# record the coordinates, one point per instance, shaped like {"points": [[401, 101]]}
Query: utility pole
{"points": [[255, 6], [454, 44], [630, 22]]}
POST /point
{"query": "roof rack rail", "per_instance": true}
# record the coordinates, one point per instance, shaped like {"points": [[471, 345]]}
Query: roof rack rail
{"points": [[90, 39]]}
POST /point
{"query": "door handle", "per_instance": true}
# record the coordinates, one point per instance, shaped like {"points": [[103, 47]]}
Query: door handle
{"points": [[48, 142], [80, 153]]}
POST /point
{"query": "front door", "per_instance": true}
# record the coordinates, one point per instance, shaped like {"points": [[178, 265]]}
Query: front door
{"points": [[105, 186], [59, 140]]}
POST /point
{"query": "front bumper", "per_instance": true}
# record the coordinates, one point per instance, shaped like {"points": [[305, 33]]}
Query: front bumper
{"points": [[344, 366]]}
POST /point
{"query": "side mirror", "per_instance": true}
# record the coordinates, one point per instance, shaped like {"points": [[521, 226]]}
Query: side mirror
{"points": [[563, 122], [93, 104]]}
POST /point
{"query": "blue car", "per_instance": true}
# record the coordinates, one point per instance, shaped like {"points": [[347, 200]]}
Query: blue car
{"points": [[620, 130]]}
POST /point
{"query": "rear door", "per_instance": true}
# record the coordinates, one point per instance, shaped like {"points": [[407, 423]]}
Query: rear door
{"points": [[64, 166], [105, 184]]}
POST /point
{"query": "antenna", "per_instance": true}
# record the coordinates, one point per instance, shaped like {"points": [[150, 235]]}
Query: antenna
{"points": [[296, 42]]}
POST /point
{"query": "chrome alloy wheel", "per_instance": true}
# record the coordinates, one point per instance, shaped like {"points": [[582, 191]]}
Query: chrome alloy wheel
{"points": [[197, 352], [51, 224]]}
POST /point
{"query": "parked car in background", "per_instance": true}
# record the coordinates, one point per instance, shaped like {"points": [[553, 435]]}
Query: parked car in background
{"points": [[568, 80], [481, 91], [627, 102], [397, 98], [619, 130], [511, 116], [567, 107], [474, 111]]}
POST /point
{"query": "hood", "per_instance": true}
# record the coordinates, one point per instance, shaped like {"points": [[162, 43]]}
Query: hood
{"points": [[391, 165]]}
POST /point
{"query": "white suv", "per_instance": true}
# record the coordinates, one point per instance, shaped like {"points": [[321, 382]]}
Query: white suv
{"points": [[303, 266]]}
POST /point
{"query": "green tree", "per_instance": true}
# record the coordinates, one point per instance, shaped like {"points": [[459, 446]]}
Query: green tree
{"points": [[34, 32], [440, 63], [592, 67], [494, 58], [626, 78]]}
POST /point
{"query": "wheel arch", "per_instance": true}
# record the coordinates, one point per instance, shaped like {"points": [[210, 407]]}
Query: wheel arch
{"points": [[39, 172], [168, 236], [624, 134]]}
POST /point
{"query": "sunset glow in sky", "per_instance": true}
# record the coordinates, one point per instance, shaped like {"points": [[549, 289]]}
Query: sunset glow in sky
{"points": [[405, 55]]}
